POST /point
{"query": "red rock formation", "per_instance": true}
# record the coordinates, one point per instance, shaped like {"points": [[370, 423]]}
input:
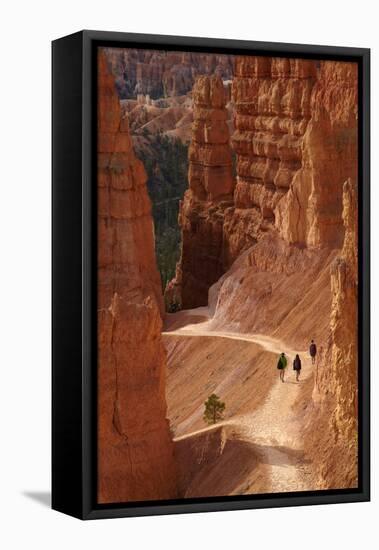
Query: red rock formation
{"points": [[344, 325], [298, 128], [335, 393], [272, 104], [295, 140], [135, 452], [310, 214], [160, 73], [210, 192]]}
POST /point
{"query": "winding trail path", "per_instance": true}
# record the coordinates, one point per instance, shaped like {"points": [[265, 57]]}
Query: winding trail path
{"points": [[273, 428]]}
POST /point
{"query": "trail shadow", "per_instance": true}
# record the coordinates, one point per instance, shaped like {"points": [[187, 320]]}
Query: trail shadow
{"points": [[280, 455], [180, 319], [42, 497], [217, 463]]}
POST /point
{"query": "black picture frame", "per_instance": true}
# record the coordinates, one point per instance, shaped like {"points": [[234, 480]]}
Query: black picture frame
{"points": [[74, 274]]}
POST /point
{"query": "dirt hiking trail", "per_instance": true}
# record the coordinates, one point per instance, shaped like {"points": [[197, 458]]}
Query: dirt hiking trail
{"points": [[272, 429]]}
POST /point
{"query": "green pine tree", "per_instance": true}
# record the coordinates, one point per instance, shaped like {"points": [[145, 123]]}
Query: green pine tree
{"points": [[214, 409]]}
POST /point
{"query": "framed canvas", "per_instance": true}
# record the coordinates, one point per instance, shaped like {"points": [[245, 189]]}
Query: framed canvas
{"points": [[210, 275]]}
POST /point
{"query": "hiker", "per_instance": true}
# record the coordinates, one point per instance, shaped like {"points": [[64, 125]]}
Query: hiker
{"points": [[282, 363], [313, 351], [297, 366]]}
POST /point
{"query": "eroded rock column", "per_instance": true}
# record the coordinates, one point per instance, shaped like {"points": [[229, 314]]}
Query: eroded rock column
{"points": [[135, 452], [272, 111], [336, 389], [210, 191]]}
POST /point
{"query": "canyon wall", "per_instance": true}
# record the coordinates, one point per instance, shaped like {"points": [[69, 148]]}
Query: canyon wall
{"points": [[295, 142], [210, 193], [135, 451], [335, 391], [272, 109], [286, 243], [311, 212], [160, 73]]}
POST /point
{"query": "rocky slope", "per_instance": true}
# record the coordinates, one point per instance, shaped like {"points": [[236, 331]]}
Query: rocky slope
{"points": [[135, 451], [159, 73]]}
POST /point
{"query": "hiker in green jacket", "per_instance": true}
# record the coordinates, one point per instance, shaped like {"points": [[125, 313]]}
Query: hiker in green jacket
{"points": [[282, 364]]}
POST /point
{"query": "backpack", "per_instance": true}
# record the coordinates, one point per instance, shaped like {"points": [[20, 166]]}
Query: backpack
{"points": [[312, 350]]}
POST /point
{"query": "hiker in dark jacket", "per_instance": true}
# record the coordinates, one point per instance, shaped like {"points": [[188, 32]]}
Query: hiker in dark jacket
{"points": [[313, 351], [282, 364], [297, 366]]}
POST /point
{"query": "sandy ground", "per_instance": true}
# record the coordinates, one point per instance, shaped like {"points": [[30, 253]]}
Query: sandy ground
{"points": [[272, 430]]}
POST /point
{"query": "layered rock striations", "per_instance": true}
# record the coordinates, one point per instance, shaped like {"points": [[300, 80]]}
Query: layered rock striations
{"points": [[210, 192], [311, 212], [335, 393], [163, 73], [272, 99], [295, 142], [286, 242], [135, 452], [344, 318]]}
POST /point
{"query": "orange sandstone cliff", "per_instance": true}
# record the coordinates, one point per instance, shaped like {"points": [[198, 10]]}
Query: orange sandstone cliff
{"points": [[135, 451], [295, 142], [284, 246], [334, 410], [210, 192]]}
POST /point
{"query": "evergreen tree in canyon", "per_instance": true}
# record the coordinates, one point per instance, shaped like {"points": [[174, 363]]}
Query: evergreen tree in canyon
{"points": [[214, 409]]}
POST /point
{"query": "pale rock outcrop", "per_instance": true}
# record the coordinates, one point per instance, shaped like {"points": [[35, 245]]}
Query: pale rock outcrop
{"points": [[135, 451]]}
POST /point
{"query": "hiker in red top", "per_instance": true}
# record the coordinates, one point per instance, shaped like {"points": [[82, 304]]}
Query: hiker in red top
{"points": [[313, 351]]}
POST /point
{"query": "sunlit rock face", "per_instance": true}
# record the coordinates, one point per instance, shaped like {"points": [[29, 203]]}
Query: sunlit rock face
{"points": [[272, 249], [285, 245], [135, 452], [210, 193], [296, 143], [336, 391], [311, 212]]}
